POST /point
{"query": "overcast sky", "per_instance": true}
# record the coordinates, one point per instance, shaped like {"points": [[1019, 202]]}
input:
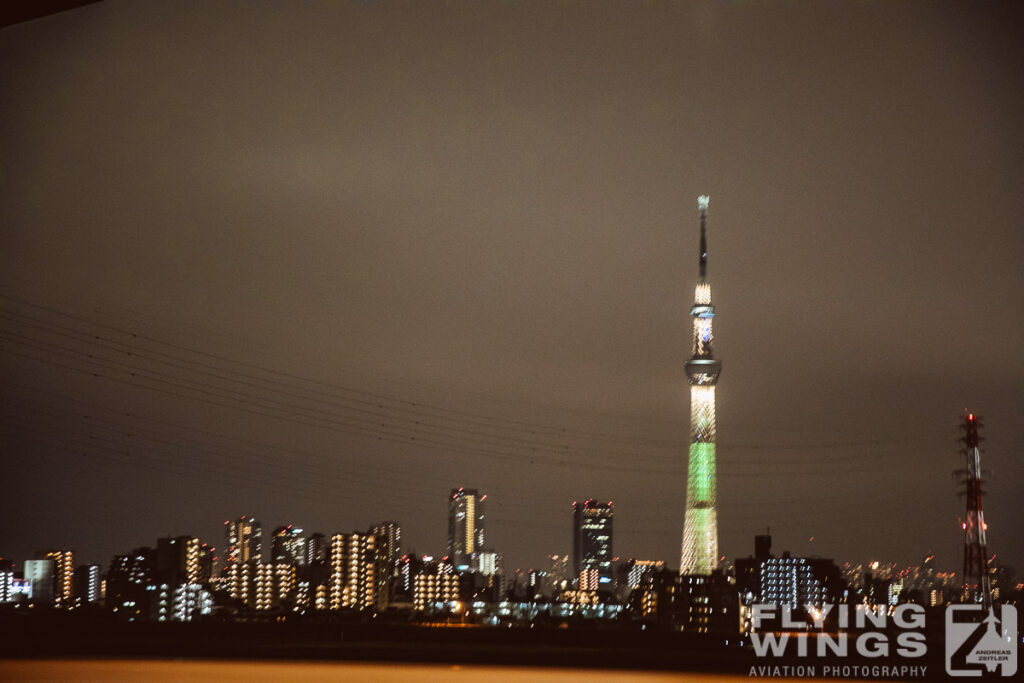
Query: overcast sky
{"points": [[321, 262]]}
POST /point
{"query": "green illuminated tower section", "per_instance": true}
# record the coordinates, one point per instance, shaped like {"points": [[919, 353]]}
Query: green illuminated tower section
{"points": [[700, 530]]}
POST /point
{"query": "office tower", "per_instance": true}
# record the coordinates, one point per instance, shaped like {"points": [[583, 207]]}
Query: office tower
{"points": [[87, 584], [389, 541], [289, 546], [244, 540], [977, 582], [63, 577], [700, 530], [592, 543], [465, 525], [353, 580]]}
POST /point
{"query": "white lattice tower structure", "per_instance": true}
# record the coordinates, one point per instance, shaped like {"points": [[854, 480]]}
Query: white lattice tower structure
{"points": [[700, 529]]}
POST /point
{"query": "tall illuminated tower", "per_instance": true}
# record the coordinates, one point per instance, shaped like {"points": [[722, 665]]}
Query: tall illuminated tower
{"points": [[977, 587], [700, 530]]}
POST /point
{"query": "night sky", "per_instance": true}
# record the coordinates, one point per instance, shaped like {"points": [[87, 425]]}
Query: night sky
{"points": [[320, 263]]}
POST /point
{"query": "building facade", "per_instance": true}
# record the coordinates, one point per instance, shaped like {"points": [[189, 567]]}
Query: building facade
{"points": [[87, 584], [389, 541], [353, 582], [40, 575], [592, 543], [787, 580], [244, 538], [178, 560], [6, 581], [436, 584], [465, 526], [289, 546]]}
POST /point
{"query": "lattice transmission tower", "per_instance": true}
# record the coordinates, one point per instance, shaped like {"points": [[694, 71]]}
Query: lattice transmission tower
{"points": [[977, 586]]}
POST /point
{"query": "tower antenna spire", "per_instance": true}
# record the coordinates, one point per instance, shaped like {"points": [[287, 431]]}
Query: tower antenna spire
{"points": [[702, 205]]}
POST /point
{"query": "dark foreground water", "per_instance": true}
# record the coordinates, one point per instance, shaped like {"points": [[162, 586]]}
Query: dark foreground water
{"points": [[62, 648]]}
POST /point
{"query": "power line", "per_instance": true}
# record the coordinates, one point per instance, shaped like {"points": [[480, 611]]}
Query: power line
{"points": [[425, 410], [408, 429]]}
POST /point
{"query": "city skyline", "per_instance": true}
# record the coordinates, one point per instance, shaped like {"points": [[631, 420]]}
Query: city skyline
{"points": [[362, 254], [590, 523]]}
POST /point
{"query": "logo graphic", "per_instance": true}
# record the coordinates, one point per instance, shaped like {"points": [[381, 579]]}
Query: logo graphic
{"points": [[981, 641]]}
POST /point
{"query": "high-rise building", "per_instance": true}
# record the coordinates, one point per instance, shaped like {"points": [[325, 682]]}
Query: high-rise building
{"points": [[6, 580], [127, 579], [556, 576], [244, 540], [87, 584], [389, 541], [353, 571], [289, 546], [592, 543], [274, 584], [178, 560], [40, 574], [63, 577], [700, 530], [465, 525], [317, 549], [408, 567], [239, 579], [207, 560]]}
